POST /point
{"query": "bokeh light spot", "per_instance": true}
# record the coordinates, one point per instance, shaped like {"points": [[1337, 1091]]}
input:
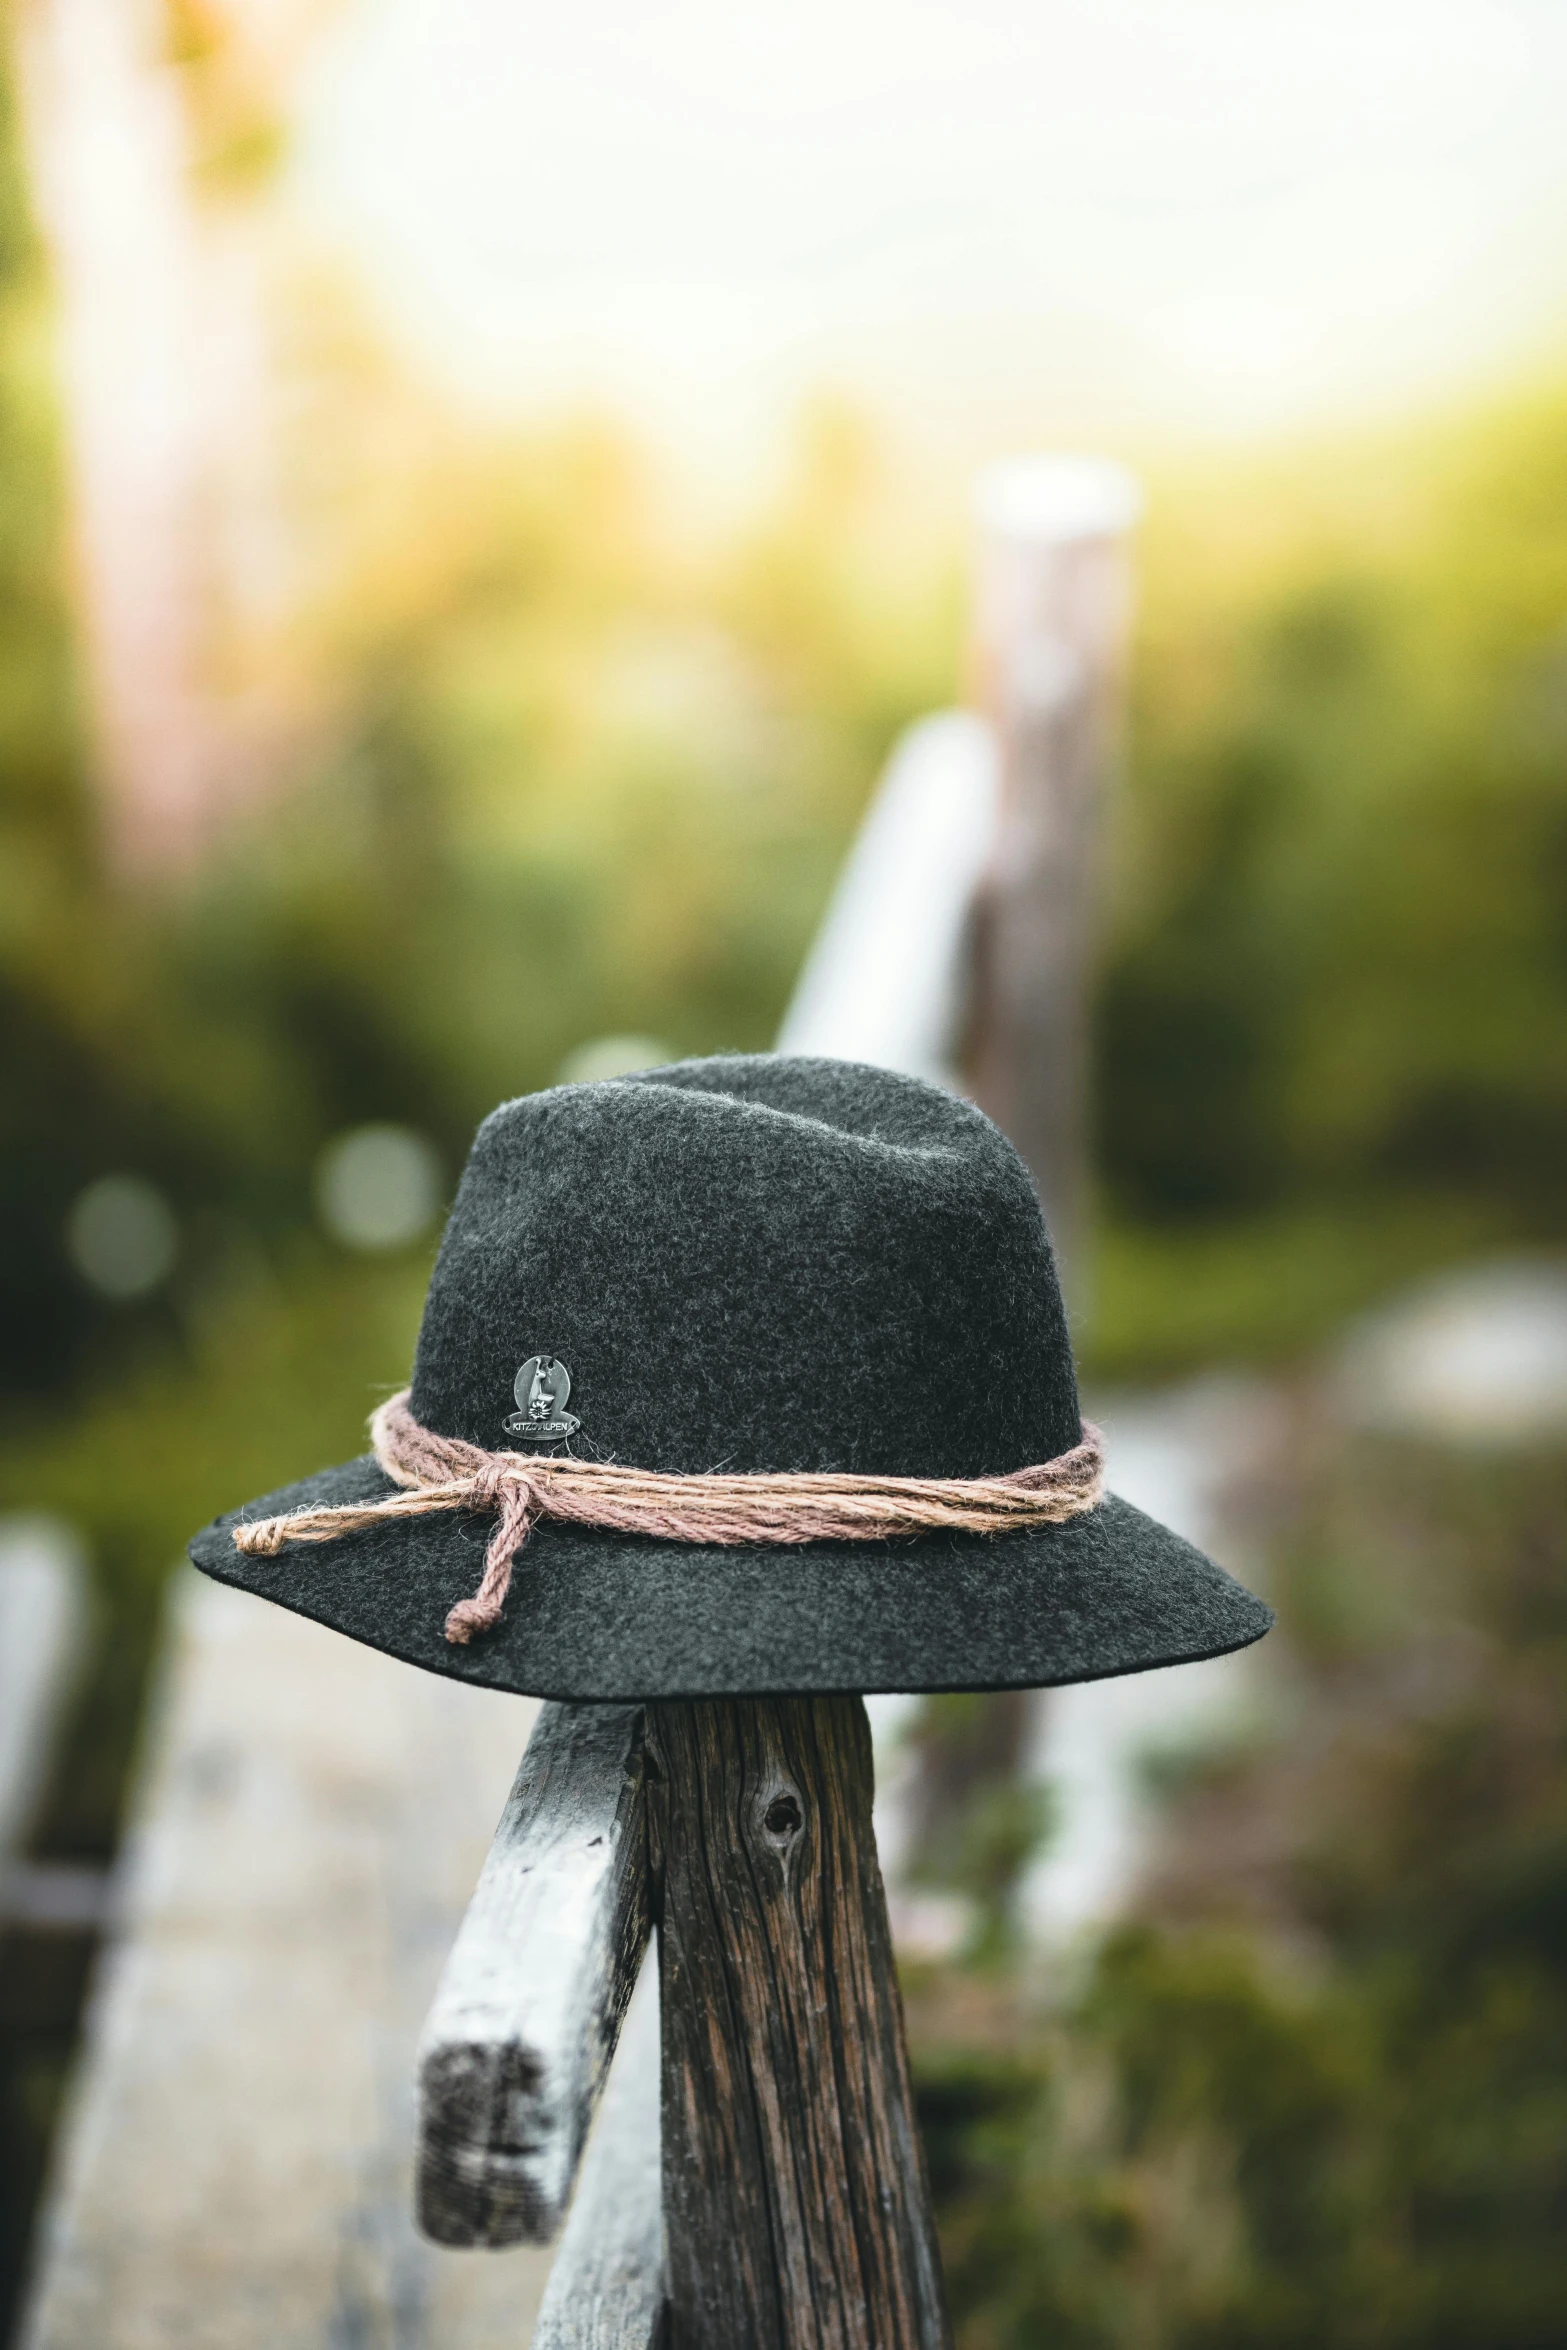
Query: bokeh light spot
{"points": [[378, 1187], [122, 1237]]}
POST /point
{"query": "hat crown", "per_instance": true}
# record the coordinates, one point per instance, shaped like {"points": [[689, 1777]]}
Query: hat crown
{"points": [[755, 1262]]}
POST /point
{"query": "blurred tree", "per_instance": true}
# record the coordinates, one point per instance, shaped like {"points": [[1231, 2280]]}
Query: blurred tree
{"points": [[54, 1096]]}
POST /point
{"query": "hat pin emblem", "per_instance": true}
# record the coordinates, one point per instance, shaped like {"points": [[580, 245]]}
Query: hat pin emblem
{"points": [[542, 1389]]}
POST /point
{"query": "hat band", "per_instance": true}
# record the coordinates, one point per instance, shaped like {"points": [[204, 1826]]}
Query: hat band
{"points": [[766, 1506]]}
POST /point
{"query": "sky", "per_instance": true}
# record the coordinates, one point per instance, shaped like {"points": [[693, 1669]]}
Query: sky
{"points": [[996, 220]]}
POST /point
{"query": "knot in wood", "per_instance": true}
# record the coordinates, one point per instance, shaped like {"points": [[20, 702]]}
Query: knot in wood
{"points": [[779, 1817], [783, 1818]]}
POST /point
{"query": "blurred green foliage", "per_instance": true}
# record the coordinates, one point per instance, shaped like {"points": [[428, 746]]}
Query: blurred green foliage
{"points": [[1328, 1015], [591, 773], [1318, 2092], [583, 784]]}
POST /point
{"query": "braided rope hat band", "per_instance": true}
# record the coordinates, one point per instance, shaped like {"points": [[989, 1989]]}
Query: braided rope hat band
{"points": [[766, 1507]]}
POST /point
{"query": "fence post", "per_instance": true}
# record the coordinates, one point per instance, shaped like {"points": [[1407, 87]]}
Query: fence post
{"points": [[1053, 602], [795, 2209]]}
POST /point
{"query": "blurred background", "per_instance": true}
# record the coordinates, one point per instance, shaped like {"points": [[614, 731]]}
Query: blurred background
{"points": [[484, 492]]}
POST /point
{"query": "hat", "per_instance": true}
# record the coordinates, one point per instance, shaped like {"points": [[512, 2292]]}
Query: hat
{"points": [[749, 1264]]}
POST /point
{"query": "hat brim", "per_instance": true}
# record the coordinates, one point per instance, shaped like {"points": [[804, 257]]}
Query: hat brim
{"points": [[600, 1616]]}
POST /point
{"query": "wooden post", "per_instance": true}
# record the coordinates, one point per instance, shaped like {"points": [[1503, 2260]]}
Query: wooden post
{"points": [[1054, 592], [796, 2210]]}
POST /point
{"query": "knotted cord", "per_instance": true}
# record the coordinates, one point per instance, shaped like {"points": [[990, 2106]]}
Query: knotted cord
{"points": [[767, 1506]]}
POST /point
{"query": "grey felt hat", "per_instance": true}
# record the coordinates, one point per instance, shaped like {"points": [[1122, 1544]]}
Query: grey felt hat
{"points": [[752, 1263]]}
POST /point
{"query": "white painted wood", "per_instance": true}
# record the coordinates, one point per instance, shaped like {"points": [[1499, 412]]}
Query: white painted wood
{"points": [[236, 2169], [531, 2000], [885, 979], [606, 2289], [42, 1623]]}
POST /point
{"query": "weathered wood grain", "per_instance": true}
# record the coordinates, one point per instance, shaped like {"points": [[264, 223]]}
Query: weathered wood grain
{"points": [[606, 2289], [530, 2004], [796, 2209], [236, 2169]]}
